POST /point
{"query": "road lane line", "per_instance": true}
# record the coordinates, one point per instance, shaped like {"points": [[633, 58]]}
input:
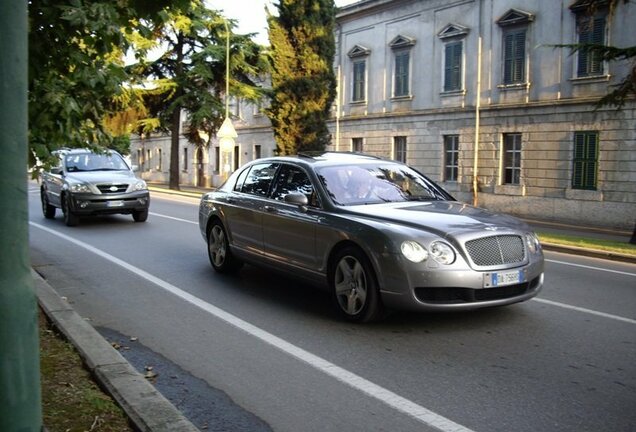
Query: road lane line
{"points": [[589, 311], [591, 268], [344, 376], [173, 218]]}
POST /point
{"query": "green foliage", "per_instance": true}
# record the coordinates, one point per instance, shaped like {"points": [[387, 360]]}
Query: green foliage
{"points": [[76, 69], [303, 81]]}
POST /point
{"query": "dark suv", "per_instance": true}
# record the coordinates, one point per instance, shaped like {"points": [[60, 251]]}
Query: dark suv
{"points": [[86, 183]]}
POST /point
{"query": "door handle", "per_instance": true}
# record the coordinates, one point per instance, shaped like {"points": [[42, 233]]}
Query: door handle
{"points": [[269, 209]]}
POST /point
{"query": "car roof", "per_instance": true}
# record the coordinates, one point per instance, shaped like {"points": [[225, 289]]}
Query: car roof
{"points": [[329, 158], [67, 151]]}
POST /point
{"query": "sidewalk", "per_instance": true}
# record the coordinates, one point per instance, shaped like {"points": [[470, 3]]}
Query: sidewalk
{"points": [[150, 411]]}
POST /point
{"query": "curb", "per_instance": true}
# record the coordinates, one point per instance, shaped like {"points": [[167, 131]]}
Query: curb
{"points": [[147, 409]]}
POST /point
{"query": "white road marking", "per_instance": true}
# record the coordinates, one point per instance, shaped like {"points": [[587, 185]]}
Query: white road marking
{"points": [[591, 268], [173, 218], [584, 310], [349, 378]]}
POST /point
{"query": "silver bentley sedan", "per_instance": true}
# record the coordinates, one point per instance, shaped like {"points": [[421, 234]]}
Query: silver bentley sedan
{"points": [[374, 232]]}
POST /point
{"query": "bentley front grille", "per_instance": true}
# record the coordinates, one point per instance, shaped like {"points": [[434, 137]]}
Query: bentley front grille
{"points": [[496, 250]]}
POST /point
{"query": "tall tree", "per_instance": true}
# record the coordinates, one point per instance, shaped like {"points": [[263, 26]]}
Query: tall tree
{"points": [[190, 74], [302, 43], [76, 68]]}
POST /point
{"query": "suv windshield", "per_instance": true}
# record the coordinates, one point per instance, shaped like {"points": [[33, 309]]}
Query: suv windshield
{"points": [[94, 162], [372, 184]]}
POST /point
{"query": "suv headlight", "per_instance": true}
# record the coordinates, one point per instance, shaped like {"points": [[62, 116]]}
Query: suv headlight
{"points": [[140, 185], [413, 251], [442, 252], [533, 243], [80, 188]]}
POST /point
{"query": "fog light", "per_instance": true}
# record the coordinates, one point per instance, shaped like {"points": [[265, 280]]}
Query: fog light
{"points": [[83, 204]]}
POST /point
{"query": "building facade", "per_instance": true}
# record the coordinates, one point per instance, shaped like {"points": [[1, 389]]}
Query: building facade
{"points": [[429, 81]]}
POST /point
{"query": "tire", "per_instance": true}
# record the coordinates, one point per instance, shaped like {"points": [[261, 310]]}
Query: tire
{"points": [[70, 218], [219, 253], [355, 287], [140, 216], [47, 209]]}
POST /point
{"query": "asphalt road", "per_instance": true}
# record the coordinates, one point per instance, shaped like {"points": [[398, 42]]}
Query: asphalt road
{"points": [[261, 352]]}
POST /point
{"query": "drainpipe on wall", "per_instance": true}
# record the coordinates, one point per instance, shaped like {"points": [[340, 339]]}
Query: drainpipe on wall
{"points": [[338, 108], [477, 106]]}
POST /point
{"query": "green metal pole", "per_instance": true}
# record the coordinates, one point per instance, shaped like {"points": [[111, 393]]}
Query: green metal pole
{"points": [[20, 394]]}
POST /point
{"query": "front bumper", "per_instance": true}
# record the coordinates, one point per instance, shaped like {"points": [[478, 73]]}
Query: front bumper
{"points": [[91, 204], [460, 289]]}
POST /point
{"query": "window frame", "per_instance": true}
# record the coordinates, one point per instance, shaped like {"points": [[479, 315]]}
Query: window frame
{"points": [[357, 142], [512, 148], [453, 66], [590, 64], [514, 59], [400, 148], [451, 147]]}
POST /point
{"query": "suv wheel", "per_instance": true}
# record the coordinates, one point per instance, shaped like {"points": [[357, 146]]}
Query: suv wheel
{"points": [[140, 216], [47, 209], [70, 218]]}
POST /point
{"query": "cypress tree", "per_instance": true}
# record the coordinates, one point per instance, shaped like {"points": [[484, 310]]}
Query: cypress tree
{"points": [[303, 81]]}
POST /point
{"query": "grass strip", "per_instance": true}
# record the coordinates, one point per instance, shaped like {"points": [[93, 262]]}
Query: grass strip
{"points": [[588, 243]]}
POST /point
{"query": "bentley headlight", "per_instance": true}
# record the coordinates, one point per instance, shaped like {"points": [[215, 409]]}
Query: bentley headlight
{"points": [[140, 185], [413, 251], [533, 242], [442, 252], [80, 188]]}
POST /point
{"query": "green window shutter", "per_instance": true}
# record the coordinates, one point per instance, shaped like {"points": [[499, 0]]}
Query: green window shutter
{"points": [[452, 66], [585, 161], [514, 56]]}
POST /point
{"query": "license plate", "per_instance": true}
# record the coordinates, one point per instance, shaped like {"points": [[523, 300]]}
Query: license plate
{"points": [[503, 278], [114, 203]]}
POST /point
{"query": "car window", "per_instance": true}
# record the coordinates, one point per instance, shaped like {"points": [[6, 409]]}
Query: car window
{"points": [[259, 179], [294, 179], [370, 184], [94, 162]]}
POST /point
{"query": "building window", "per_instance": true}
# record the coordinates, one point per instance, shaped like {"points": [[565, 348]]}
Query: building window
{"points": [[399, 148], [159, 160], [149, 159], [257, 151], [514, 56], [453, 37], [358, 55], [451, 157], [237, 156], [585, 160], [512, 158], [402, 62], [217, 159], [401, 46], [185, 159], [359, 75], [453, 66], [356, 145], [590, 31], [515, 24]]}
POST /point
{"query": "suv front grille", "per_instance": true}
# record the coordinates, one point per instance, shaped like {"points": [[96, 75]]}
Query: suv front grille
{"points": [[496, 250], [112, 188]]}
